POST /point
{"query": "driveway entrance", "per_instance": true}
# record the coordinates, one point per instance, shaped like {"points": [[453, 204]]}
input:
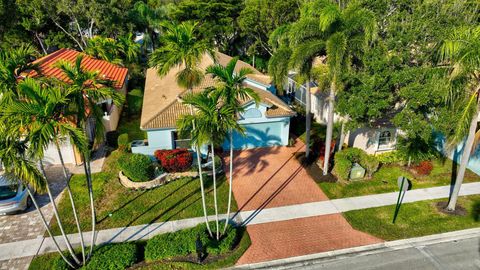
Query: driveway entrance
{"points": [[272, 177]]}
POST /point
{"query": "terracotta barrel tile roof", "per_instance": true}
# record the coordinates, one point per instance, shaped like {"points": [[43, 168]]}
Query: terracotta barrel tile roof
{"points": [[107, 70]]}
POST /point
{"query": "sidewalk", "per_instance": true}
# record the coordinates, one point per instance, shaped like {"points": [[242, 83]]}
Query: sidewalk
{"points": [[44, 245]]}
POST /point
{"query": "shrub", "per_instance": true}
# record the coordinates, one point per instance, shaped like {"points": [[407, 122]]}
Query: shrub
{"points": [[344, 161], [176, 160], [370, 163], [182, 243], [423, 168], [137, 167], [342, 166], [123, 142], [114, 256], [391, 158], [134, 101]]}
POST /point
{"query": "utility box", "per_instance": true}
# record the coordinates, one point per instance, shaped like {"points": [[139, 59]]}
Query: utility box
{"points": [[357, 172]]}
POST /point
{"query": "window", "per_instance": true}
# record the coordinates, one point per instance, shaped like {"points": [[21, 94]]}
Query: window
{"points": [[385, 139], [252, 113]]}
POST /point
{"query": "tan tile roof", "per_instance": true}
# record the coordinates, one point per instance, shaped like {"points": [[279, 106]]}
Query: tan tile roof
{"points": [[161, 108]]}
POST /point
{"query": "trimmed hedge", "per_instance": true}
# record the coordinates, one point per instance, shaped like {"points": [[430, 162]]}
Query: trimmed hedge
{"points": [[137, 167], [344, 161], [182, 243], [391, 157], [176, 160], [123, 142], [114, 257]]}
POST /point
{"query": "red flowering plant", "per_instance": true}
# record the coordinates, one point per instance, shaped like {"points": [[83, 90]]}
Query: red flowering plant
{"points": [[176, 160], [423, 168]]}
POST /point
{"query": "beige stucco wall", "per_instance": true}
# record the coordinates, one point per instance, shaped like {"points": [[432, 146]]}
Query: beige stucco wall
{"points": [[367, 140]]}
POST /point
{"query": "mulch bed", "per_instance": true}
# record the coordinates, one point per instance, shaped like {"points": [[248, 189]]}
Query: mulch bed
{"points": [[459, 210], [313, 170]]}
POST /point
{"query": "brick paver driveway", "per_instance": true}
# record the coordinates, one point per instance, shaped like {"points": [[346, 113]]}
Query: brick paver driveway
{"points": [[28, 225], [272, 177]]}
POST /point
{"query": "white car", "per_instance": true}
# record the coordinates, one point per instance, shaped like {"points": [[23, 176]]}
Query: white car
{"points": [[13, 197]]}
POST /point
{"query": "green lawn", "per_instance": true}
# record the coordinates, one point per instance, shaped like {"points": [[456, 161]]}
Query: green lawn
{"points": [[385, 180], [131, 126], [118, 206], [415, 219]]}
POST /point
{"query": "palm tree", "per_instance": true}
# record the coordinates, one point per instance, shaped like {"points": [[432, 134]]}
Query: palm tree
{"points": [[86, 89], [122, 51], [18, 167], [232, 91], [182, 49], [39, 112], [208, 126], [150, 18], [339, 33], [13, 62], [461, 50]]}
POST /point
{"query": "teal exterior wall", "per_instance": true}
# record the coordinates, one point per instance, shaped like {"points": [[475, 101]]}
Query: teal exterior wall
{"points": [[260, 132]]}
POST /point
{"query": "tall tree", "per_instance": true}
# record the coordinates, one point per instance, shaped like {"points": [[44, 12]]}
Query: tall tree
{"points": [[208, 126], [347, 32], [181, 48], [39, 111], [260, 18], [86, 89], [232, 91], [216, 19], [461, 49], [148, 19]]}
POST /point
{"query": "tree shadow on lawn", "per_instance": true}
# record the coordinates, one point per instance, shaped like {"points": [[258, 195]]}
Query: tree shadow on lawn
{"points": [[208, 185]]}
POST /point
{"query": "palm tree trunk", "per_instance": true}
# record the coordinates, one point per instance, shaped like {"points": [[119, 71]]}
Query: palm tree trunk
{"points": [[328, 139], [204, 205], [88, 175], [215, 191], [467, 150], [230, 182], [34, 201], [308, 120], [342, 137], [57, 216], [70, 195]]}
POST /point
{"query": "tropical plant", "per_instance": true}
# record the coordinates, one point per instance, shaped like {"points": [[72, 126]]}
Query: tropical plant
{"points": [[149, 19], [461, 50], [39, 111], [122, 51], [86, 89], [342, 34], [232, 92], [181, 48], [13, 62], [210, 125]]}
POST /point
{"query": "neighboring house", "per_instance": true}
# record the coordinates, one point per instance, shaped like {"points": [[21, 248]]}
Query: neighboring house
{"points": [[115, 73], [267, 124], [379, 138]]}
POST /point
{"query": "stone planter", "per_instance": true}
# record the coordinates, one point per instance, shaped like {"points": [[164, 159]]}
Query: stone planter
{"points": [[158, 181]]}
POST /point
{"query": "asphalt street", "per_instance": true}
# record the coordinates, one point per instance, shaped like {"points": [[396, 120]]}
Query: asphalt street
{"points": [[461, 254]]}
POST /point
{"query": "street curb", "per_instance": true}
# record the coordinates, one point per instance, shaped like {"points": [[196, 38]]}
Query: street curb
{"points": [[305, 260]]}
